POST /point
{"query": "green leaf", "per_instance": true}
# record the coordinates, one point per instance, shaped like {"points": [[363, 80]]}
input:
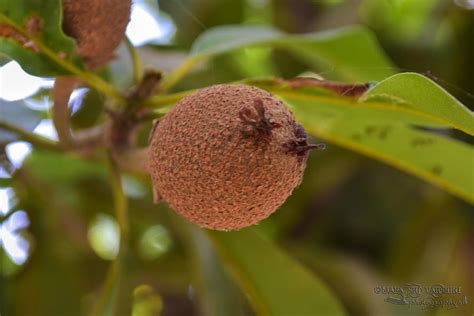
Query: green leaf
{"points": [[223, 39], [44, 165], [32, 35], [17, 114], [4, 60], [352, 53], [275, 283], [332, 108], [435, 158], [416, 92]]}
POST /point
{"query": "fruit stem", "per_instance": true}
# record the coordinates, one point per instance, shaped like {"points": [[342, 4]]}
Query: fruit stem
{"points": [[136, 61]]}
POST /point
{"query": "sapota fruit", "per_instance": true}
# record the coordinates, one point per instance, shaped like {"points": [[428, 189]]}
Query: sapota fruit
{"points": [[98, 27], [227, 156]]}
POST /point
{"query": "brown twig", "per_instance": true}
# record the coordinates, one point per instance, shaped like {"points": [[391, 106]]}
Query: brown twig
{"points": [[147, 87]]}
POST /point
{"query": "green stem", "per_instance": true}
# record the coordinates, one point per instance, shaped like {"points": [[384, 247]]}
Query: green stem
{"points": [[136, 61], [93, 80], [35, 140], [110, 291], [165, 100], [176, 75]]}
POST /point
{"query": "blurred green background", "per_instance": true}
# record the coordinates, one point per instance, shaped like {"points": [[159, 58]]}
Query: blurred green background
{"points": [[356, 223]]}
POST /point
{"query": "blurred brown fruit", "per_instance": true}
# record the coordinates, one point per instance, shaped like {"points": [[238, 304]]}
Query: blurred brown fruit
{"points": [[98, 27]]}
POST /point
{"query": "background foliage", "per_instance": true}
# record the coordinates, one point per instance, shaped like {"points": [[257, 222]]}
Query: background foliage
{"points": [[388, 203]]}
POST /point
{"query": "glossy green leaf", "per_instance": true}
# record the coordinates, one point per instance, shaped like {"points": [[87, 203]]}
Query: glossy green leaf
{"points": [[222, 39], [351, 53], [416, 92], [275, 283], [435, 158], [17, 114], [34, 38], [333, 108]]}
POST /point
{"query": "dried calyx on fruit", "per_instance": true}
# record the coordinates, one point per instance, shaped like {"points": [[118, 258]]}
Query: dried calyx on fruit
{"points": [[227, 156], [98, 27]]}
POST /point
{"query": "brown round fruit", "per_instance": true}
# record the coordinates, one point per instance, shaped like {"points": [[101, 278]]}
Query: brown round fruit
{"points": [[227, 156], [98, 27]]}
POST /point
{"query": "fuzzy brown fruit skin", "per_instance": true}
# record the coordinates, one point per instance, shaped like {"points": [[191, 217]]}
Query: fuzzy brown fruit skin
{"points": [[210, 171], [98, 27]]}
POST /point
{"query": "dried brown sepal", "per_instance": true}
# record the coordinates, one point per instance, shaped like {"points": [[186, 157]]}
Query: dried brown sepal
{"points": [[256, 123]]}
